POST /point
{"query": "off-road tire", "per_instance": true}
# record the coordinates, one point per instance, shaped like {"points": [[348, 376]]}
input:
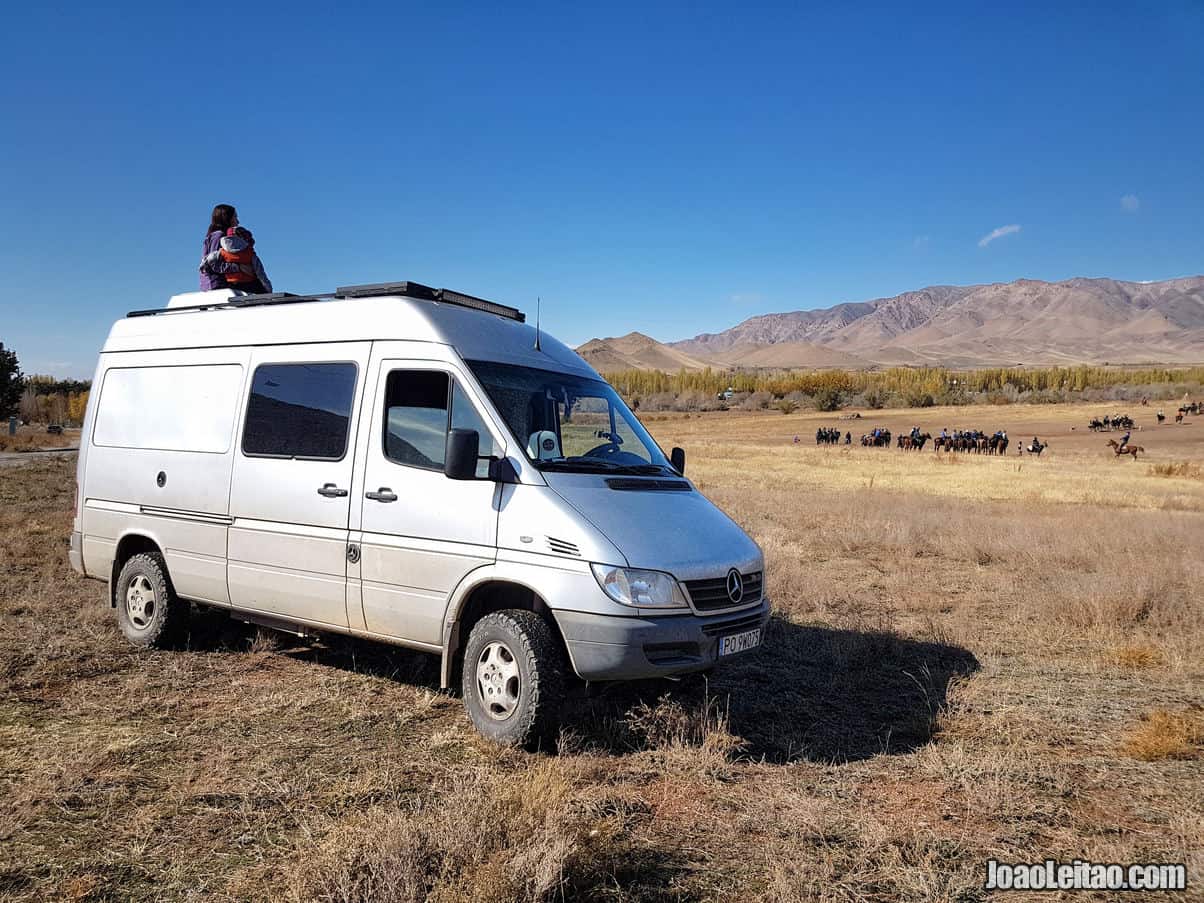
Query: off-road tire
{"points": [[535, 720], [167, 624]]}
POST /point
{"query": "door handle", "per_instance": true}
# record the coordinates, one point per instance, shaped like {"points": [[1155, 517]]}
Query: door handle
{"points": [[384, 494], [332, 491]]}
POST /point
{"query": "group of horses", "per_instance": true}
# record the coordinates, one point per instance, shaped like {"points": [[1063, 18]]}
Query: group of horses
{"points": [[974, 441], [1119, 422], [877, 438], [1184, 410], [827, 436]]}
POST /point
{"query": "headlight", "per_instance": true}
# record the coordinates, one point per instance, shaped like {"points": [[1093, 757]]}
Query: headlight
{"points": [[639, 589]]}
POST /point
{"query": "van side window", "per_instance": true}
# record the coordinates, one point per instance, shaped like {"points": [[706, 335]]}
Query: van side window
{"points": [[417, 418], [299, 411]]}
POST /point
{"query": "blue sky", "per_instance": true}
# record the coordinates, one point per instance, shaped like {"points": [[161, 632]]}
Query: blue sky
{"points": [[667, 168]]}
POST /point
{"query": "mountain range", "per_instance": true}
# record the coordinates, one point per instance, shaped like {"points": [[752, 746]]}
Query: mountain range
{"points": [[1026, 322]]}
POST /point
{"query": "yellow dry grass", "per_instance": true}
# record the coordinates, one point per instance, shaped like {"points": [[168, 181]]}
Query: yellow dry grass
{"points": [[35, 438], [1077, 468], [1164, 734], [967, 660]]}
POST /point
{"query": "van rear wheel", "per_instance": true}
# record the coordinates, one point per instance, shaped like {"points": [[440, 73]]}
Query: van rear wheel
{"points": [[148, 610], [513, 679]]}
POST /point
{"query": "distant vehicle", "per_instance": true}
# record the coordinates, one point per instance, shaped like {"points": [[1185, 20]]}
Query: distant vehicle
{"points": [[411, 465], [55, 429]]}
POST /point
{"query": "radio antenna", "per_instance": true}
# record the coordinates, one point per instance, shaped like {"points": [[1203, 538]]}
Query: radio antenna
{"points": [[537, 348]]}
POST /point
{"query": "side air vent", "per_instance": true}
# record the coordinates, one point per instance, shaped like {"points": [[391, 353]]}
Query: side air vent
{"points": [[560, 547], [637, 485]]}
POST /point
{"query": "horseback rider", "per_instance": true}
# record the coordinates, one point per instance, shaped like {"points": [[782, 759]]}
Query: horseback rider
{"points": [[1124, 440]]}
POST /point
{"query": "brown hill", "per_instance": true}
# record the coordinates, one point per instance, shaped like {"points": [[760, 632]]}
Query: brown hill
{"points": [[635, 351], [1022, 322]]}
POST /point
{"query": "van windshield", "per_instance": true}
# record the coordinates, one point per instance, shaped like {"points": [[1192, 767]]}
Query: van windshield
{"points": [[567, 422]]}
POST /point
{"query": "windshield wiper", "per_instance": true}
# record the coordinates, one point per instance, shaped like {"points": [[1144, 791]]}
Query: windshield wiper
{"points": [[646, 468], [585, 465], [580, 464]]}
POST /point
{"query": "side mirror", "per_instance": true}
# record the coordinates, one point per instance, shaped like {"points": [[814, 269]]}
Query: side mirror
{"points": [[677, 458], [460, 454]]}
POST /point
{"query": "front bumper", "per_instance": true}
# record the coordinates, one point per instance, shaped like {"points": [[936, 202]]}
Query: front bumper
{"points": [[617, 648], [75, 553]]}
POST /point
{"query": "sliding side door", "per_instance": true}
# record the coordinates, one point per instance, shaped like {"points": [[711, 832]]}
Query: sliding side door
{"points": [[290, 495]]}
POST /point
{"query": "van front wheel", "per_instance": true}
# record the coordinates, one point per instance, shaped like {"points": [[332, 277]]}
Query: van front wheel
{"points": [[513, 679], [148, 610]]}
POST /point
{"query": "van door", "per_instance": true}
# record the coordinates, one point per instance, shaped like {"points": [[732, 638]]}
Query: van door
{"points": [[291, 491], [422, 533]]}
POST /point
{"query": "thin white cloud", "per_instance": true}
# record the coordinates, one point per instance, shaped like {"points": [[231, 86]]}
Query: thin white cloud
{"points": [[997, 233], [746, 298], [1130, 203]]}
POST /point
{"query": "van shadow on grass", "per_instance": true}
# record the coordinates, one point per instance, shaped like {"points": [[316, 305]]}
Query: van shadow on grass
{"points": [[214, 629], [810, 693]]}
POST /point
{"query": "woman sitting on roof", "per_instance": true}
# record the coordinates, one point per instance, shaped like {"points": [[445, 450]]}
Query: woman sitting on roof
{"points": [[228, 258]]}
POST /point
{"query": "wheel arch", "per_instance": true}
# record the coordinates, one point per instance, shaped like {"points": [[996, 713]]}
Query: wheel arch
{"points": [[131, 543], [490, 592]]}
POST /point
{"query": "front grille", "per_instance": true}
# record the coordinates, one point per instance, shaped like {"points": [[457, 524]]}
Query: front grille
{"points": [[736, 625], [711, 595]]}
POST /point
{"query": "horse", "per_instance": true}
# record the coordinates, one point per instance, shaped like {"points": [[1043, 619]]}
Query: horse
{"points": [[1161, 417], [1037, 447], [1126, 450], [882, 440]]}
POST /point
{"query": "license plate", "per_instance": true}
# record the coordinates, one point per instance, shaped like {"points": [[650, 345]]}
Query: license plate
{"points": [[739, 642]]}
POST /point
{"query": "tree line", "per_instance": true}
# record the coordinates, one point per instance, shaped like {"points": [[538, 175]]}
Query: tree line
{"points": [[39, 399], [910, 386]]}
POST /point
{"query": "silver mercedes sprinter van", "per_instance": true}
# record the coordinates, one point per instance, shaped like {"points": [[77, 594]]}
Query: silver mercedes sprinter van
{"points": [[412, 465]]}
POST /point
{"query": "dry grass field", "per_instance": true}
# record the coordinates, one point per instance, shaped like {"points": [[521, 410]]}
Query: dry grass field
{"points": [[971, 657], [35, 438]]}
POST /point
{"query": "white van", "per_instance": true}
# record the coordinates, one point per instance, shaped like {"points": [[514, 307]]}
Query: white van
{"points": [[412, 465]]}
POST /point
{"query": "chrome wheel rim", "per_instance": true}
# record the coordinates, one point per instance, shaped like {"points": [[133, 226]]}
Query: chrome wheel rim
{"points": [[140, 602], [498, 681]]}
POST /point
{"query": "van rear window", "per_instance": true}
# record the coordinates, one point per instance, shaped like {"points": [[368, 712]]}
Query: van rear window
{"points": [[179, 408], [299, 411]]}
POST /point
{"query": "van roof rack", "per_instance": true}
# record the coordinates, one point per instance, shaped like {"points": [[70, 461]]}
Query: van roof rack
{"points": [[408, 289], [426, 293], [236, 301]]}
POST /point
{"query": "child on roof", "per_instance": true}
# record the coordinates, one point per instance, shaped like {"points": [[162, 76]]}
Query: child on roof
{"points": [[237, 247]]}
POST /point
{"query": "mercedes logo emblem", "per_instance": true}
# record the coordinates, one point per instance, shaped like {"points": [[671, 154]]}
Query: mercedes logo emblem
{"points": [[735, 586]]}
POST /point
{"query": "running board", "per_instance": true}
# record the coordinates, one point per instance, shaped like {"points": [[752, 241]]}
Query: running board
{"points": [[273, 623]]}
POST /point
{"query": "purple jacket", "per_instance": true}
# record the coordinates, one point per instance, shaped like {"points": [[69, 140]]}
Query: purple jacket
{"points": [[212, 275]]}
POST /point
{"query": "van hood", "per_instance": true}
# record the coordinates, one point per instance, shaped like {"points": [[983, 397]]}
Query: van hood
{"points": [[680, 532]]}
